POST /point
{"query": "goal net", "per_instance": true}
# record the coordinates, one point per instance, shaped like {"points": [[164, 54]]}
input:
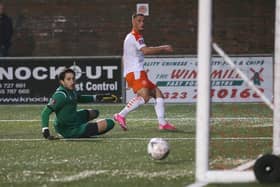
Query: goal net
{"points": [[231, 137]]}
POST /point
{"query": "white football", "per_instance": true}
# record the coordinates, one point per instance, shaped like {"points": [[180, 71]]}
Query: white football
{"points": [[158, 148]]}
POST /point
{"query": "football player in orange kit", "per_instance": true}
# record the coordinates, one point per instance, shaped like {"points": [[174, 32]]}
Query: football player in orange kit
{"points": [[134, 49]]}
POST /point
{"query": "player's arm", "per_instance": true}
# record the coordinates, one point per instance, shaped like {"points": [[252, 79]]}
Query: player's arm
{"points": [[45, 117], [146, 50], [56, 102], [156, 50], [97, 98]]}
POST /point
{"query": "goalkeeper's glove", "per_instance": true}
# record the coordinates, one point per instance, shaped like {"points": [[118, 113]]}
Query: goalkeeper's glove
{"points": [[46, 133], [106, 98]]}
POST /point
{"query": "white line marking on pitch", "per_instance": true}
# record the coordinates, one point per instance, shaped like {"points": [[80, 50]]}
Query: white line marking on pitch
{"points": [[79, 176], [198, 184], [140, 139], [154, 119], [168, 174]]}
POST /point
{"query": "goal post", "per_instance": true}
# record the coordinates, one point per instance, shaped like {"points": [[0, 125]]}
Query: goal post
{"points": [[203, 90], [203, 175], [276, 113]]}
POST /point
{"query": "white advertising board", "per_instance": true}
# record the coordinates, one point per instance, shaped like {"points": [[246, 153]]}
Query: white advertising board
{"points": [[177, 79]]}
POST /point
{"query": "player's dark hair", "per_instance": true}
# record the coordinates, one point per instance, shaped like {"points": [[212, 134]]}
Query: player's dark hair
{"points": [[61, 76], [134, 15]]}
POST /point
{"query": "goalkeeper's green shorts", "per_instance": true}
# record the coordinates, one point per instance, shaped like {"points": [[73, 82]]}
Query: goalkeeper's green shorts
{"points": [[74, 131]]}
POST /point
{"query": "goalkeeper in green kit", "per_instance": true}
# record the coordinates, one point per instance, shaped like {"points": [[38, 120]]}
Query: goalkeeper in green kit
{"points": [[70, 122]]}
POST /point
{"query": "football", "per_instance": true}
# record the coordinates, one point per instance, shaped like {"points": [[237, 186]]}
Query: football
{"points": [[158, 148]]}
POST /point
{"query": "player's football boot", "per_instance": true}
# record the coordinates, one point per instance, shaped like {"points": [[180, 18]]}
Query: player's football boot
{"points": [[121, 120], [168, 127]]}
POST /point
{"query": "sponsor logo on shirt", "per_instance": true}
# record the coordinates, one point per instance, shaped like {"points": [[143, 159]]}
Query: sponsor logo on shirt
{"points": [[141, 41]]}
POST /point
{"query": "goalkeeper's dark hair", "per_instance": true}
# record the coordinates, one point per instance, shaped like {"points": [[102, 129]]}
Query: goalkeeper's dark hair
{"points": [[134, 15], [61, 76]]}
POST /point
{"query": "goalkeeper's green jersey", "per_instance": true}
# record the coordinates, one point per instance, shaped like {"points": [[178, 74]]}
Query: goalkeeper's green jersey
{"points": [[64, 103]]}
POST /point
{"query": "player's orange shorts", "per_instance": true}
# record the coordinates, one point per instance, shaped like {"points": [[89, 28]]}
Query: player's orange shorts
{"points": [[138, 80]]}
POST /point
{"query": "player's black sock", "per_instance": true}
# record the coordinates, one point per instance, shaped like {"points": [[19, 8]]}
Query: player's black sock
{"points": [[92, 129], [93, 114]]}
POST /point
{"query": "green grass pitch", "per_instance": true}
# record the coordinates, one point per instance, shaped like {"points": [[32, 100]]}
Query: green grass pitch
{"points": [[239, 133]]}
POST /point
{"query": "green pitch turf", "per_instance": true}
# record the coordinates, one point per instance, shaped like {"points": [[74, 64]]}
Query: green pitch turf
{"points": [[239, 132]]}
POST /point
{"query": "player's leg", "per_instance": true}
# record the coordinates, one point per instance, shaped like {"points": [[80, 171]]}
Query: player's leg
{"points": [[97, 128], [86, 115], [140, 84], [160, 110], [93, 114], [133, 104], [141, 98], [83, 117]]}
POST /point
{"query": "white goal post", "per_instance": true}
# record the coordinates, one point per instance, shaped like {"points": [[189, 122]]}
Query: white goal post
{"points": [[276, 111], [203, 175]]}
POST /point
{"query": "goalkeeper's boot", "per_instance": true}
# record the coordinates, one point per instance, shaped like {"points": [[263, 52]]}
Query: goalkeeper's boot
{"points": [[121, 120], [168, 127]]}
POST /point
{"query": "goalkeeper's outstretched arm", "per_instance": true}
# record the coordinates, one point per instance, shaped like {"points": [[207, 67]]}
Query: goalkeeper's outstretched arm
{"points": [[45, 117]]}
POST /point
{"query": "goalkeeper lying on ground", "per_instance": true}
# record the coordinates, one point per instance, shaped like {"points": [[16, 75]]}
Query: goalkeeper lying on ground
{"points": [[69, 122]]}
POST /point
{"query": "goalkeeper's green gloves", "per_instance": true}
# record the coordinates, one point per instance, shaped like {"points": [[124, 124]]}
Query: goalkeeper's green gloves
{"points": [[106, 98]]}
